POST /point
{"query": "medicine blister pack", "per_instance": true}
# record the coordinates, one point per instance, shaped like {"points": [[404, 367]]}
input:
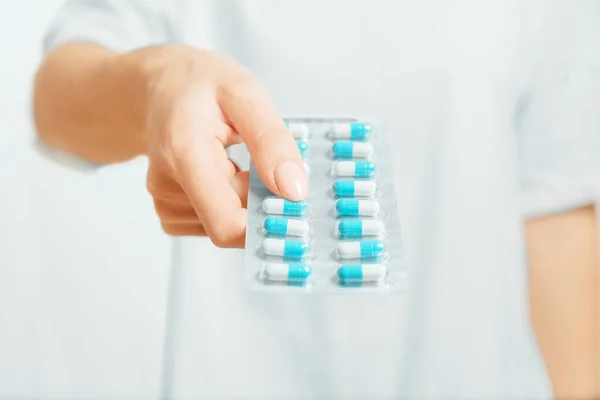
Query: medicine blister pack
{"points": [[345, 236]]}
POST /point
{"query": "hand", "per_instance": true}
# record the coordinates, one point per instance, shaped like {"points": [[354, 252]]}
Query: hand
{"points": [[198, 104]]}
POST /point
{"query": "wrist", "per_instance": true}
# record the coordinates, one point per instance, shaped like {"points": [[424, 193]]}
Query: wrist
{"points": [[134, 75]]}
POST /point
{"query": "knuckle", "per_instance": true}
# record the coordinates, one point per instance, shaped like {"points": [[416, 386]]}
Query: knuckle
{"points": [[162, 211], [221, 239], [160, 173], [163, 187], [176, 148], [226, 234], [170, 210], [272, 138], [245, 88], [220, 242], [168, 229], [151, 184], [160, 187], [174, 144], [179, 152]]}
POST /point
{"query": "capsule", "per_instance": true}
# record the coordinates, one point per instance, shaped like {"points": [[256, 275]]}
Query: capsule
{"points": [[298, 130], [360, 249], [286, 226], [360, 131], [357, 274], [360, 227], [349, 149], [352, 188], [275, 205], [357, 208], [303, 147], [281, 272], [355, 169], [294, 249]]}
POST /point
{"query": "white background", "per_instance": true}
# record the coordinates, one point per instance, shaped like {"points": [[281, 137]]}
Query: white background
{"points": [[83, 263]]}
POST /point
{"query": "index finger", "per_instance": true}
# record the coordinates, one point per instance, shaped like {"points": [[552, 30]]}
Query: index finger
{"points": [[247, 106], [206, 181], [203, 171]]}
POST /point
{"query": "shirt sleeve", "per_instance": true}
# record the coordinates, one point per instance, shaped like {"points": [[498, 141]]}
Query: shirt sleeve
{"points": [[121, 25], [558, 131]]}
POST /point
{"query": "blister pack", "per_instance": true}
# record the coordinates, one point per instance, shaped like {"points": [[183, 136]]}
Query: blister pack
{"points": [[345, 237]]}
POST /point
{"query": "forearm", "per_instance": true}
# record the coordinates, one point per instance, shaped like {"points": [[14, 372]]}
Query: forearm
{"points": [[563, 271], [89, 103]]}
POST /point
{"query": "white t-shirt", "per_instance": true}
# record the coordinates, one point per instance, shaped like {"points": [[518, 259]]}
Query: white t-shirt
{"points": [[490, 113]]}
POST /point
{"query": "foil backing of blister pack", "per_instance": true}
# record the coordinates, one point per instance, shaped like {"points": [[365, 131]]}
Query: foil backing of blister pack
{"points": [[319, 271]]}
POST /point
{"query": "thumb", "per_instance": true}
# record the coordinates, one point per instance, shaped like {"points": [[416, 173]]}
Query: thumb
{"points": [[247, 106]]}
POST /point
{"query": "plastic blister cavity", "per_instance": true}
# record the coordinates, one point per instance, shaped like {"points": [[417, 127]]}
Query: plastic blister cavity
{"points": [[345, 236], [348, 150], [277, 206], [352, 228], [282, 226], [357, 169]]}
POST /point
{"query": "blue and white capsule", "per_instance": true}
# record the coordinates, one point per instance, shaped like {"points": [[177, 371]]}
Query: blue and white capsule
{"points": [[357, 274], [278, 206], [357, 208], [286, 248], [303, 147], [354, 169], [348, 149], [353, 188], [282, 272], [360, 131], [354, 228], [360, 249], [298, 130], [286, 226]]}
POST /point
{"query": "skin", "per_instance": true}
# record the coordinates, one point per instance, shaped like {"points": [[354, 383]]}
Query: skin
{"points": [[182, 107], [563, 291]]}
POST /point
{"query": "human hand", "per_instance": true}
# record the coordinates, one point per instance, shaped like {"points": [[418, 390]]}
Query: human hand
{"points": [[198, 104]]}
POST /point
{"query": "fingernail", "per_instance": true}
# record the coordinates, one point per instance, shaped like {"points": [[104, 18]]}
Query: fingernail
{"points": [[291, 180]]}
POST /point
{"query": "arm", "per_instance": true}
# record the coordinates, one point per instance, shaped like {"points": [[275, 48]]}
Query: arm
{"points": [[85, 104], [563, 286], [560, 175]]}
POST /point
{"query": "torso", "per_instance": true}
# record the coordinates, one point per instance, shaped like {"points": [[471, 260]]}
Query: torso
{"points": [[410, 65]]}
